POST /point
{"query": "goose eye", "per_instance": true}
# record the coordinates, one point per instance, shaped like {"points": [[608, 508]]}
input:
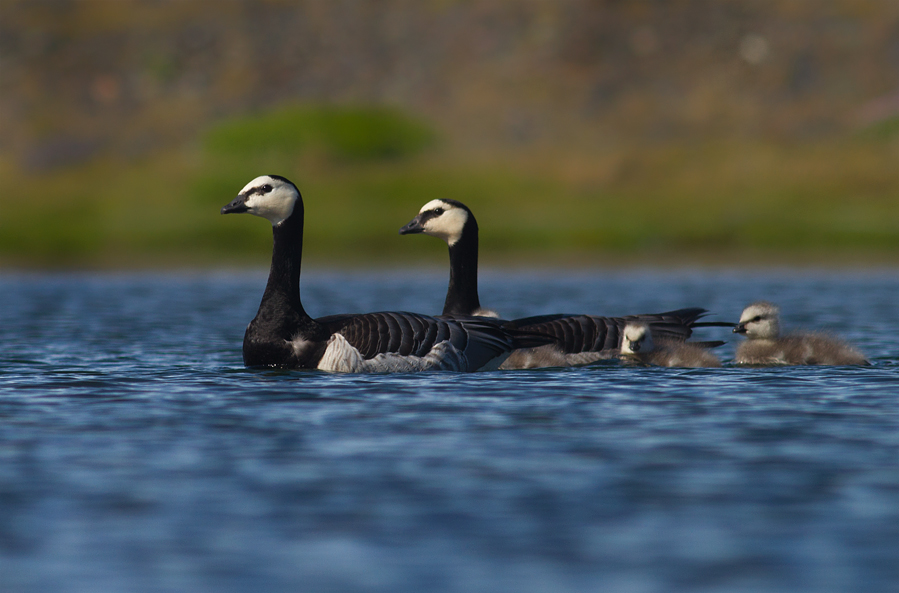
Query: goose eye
{"points": [[438, 211], [266, 188]]}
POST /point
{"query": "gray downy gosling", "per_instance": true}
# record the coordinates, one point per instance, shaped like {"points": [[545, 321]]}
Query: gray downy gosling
{"points": [[637, 346], [760, 323]]}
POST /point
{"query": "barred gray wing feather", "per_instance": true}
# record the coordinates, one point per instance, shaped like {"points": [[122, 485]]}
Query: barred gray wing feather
{"points": [[672, 325], [592, 333], [573, 333], [487, 341], [384, 332], [411, 334]]}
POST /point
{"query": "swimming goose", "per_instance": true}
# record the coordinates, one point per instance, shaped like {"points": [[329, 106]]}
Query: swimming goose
{"points": [[283, 335], [453, 222], [579, 339], [637, 345], [760, 323]]}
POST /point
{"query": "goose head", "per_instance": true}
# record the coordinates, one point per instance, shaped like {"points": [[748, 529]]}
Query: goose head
{"points": [[636, 337], [445, 219], [759, 321], [270, 196]]}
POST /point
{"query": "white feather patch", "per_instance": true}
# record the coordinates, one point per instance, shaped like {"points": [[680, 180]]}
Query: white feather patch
{"points": [[341, 357], [448, 226], [277, 205], [300, 345]]}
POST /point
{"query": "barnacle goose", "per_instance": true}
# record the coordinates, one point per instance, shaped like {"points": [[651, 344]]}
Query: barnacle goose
{"points": [[637, 345], [760, 323], [283, 335], [578, 339]]}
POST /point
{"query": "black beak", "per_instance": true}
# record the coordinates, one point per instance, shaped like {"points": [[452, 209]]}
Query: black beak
{"points": [[740, 328], [413, 227], [236, 206], [635, 346]]}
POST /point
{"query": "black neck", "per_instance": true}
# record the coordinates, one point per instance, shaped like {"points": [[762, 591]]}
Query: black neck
{"points": [[462, 294], [282, 293]]}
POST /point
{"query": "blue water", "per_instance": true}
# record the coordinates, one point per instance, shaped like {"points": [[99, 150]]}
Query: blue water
{"points": [[137, 454]]}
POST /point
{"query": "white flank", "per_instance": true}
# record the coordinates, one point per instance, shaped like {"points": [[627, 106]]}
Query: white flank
{"points": [[341, 357]]}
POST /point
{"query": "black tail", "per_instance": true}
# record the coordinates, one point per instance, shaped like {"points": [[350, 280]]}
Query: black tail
{"points": [[714, 324]]}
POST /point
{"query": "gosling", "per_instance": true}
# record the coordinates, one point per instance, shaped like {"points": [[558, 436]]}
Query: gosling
{"points": [[760, 323], [637, 346]]}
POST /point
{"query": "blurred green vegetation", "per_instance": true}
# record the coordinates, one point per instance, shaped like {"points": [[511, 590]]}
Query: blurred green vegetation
{"points": [[364, 172], [342, 133]]}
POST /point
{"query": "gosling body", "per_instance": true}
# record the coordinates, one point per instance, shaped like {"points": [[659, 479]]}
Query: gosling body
{"points": [[638, 346], [764, 346]]}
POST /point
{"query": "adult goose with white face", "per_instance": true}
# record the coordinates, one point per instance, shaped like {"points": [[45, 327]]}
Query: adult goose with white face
{"points": [[283, 335], [577, 339]]}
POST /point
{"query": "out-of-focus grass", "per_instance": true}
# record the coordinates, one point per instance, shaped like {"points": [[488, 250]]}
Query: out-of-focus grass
{"points": [[366, 172], [343, 133]]}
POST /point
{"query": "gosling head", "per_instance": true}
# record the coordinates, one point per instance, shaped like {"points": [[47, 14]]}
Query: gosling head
{"points": [[270, 196], [445, 219], [636, 338], [759, 321]]}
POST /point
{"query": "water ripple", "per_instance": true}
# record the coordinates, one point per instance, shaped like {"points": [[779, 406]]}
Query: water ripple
{"points": [[137, 453]]}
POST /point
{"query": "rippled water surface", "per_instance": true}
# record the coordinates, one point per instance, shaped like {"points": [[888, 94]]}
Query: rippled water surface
{"points": [[137, 454]]}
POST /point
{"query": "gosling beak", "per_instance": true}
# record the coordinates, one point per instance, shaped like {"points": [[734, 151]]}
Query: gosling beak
{"points": [[740, 328], [635, 346], [236, 206], [413, 227]]}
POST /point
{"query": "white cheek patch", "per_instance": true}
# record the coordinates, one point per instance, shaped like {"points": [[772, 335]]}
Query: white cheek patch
{"points": [[448, 226], [276, 206]]}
